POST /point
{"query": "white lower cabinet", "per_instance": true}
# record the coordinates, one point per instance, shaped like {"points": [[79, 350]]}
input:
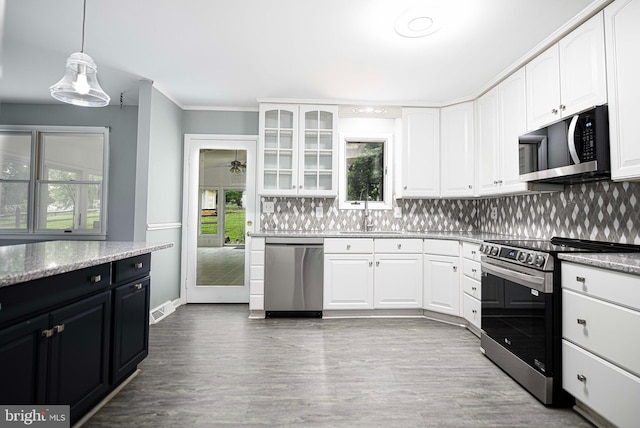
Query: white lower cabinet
{"points": [[471, 284], [398, 281], [471, 310], [348, 281], [601, 355], [382, 274], [442, 284]]}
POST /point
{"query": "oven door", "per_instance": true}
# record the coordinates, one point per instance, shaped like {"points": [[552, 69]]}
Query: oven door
{"points": [[517, 311]]}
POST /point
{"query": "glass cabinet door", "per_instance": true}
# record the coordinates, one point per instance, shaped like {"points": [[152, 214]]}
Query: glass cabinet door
{"points": [[317, 154], [279, 149]]}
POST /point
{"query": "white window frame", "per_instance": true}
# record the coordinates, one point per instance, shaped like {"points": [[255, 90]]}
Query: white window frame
{"points": [[360, 137], [32, 232]]}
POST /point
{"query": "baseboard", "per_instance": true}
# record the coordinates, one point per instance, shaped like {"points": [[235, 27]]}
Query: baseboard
{"points": [[372, 313], [591, 415]]}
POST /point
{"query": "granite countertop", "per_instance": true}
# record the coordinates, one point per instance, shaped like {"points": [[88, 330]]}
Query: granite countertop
{"points": [[26, 262], [476, 237], [621, 262]]}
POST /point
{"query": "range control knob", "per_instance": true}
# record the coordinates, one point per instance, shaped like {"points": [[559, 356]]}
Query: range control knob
{"points": [[522, 256], [539, 261], [494, 251], [482, 248], [530, 258]]}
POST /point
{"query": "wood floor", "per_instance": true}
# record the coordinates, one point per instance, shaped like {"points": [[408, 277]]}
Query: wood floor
{"points": [[210, 366]]}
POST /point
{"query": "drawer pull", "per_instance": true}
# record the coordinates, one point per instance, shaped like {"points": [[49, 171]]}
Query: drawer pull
{"points": [[370, 264], [58, 328], [582, 378], [348, 246], [474, 288], [580, 279], [473, 270], [377, 264], [399, 246], [138, 286], [455, 268], [138, 265], [47, 333], [582, 322], [474, 311], [96, 278]]}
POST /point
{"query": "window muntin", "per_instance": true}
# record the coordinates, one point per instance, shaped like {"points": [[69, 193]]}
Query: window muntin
{"points": [[15, 176]]}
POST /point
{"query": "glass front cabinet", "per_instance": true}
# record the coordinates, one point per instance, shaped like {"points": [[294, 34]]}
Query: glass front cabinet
{"points": [[298, 150]]}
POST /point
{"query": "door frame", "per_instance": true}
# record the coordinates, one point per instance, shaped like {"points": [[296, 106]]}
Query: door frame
{"points": [[193, 143]]}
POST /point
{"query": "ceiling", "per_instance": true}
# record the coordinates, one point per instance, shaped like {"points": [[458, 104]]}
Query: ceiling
{"points": [[229, 53]]}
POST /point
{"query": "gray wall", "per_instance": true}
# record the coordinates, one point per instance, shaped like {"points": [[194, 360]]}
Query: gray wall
{"points": [[220, 122], [159, 188], [122, 150]]}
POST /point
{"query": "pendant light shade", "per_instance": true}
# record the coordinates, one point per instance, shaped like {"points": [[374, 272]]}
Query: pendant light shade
{"points": [[79, 85]]}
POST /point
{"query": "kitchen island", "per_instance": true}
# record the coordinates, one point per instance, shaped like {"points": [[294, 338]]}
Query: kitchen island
{"points": [[74, 320]]}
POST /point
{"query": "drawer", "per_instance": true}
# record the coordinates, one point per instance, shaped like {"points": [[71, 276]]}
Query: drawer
{"points": [[133, 267], [471, 309], [472, 287], [348, 245], [605, 388], [27, 298], [471, 269], [392, 246], [442, 246], [617, 287], [602, 328], [471, 251]]}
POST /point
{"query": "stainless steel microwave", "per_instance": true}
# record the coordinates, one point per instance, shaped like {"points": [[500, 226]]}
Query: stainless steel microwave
{"points": [[573, 150]]}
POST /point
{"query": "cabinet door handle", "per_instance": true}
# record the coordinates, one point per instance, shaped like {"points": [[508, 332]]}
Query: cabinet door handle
{"points": [[455, 268], [470, 186], [473, 288], [405, 187], [473, 270], [377, 264], [582, 322], [474, 311], [580, 279], [370, 264], [47, 333], [348, 246], [138, 265], [582, 378], [554, 111], [96, 278], [138, 286], [473, 252], [58, 328], [563, 107], [399, 246]]}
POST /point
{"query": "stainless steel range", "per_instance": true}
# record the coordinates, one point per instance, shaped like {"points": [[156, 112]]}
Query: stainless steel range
{"points": [[521, 310]]}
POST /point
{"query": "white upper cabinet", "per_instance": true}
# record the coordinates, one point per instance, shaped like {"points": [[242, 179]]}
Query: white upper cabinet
{"points": [[457, 151], [569, 77], [622, 19], [278, 150], [297, 152], [318, 161], [419, 175], [501, 116]]}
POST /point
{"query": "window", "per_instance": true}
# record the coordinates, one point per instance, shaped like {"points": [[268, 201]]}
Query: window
{"points": [[364, 172], [53, 180]]}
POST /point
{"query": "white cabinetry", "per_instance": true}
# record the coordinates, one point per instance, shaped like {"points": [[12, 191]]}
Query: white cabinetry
{"points": [[419, 175], [398, 273], [623, 68], [471, 286], [256, 269], [457, 170], [569, 77], [501, 118], [297, 150], [601, 358], [348, 274], [441, 276]]}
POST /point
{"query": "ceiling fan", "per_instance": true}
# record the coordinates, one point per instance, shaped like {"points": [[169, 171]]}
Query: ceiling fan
{"points": [[237, 167]]}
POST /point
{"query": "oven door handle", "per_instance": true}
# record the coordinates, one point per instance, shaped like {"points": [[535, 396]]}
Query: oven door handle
{"points": [[527, 280]]}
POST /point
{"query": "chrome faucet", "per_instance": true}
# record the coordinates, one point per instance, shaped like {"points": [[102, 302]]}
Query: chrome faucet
{"points": [[366, 218]]}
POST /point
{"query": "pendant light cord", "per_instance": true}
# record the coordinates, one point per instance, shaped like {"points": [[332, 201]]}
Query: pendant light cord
{"points": [[84, 16]]}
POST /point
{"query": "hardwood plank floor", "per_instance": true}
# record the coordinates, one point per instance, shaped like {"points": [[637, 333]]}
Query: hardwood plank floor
{"points": [[211, 366]]}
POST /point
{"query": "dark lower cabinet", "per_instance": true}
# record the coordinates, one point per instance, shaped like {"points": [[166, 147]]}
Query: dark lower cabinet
{"points": [[130, 327], [79, 353], [87, 332], [23, 362]]}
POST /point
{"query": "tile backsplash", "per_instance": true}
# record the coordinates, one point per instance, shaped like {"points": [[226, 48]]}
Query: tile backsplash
{"points": [[600, 211]]}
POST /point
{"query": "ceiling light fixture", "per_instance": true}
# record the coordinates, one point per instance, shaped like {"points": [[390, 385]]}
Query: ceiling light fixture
{"points": [[79, 85], [237, 167], [369, 110], [414, 23]]}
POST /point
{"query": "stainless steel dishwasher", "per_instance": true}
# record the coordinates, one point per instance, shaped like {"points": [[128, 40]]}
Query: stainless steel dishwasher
{"points": [[293, 277]]}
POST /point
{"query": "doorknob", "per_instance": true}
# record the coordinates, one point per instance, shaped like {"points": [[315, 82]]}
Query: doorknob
{"points": [[248, 233], [249, 223]]}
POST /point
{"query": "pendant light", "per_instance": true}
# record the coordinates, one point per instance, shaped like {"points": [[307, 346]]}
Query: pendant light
{"points": [[79, 85]]}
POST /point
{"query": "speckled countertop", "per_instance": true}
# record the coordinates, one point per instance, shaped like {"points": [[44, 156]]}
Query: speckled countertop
{"points": [[621, 262], [26, 262], [476, 237]]}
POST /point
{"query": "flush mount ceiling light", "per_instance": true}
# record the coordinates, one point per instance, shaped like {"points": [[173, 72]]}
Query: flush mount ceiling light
{"points": [[415, 23], [79, 85]]}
